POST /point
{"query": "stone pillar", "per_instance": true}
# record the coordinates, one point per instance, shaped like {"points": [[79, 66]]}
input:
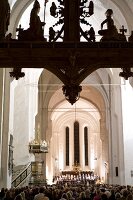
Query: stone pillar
{"points": [[43, 118], [104, 139], [116, 136], [5, 179]]}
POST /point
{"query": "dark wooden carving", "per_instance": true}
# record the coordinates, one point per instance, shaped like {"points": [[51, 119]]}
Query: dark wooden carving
{"points": [[70, 60], [16, 73]]}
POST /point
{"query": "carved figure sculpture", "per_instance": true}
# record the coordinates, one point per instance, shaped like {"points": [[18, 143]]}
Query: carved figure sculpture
{"points": [[91, 8], [35, 31], [36, 26], [4, 17], [111, 32], [91, 33], [53, 10], [51, 34]]}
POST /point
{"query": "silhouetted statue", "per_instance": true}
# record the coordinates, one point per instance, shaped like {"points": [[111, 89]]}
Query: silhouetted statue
{"points": [[61, 2], [91, 33], [4, 17], [122, 35], [35, 31], [20, 31], [53, 10], [91, 8], [36, 26], [123, 30], [111, 32], [51, 34]]}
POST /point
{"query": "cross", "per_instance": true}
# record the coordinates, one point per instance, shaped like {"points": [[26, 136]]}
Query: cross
{"points": [[20, 31], [123, 30]]}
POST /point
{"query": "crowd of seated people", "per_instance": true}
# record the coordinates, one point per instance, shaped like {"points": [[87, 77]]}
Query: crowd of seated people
{"points": [[72, 191]]}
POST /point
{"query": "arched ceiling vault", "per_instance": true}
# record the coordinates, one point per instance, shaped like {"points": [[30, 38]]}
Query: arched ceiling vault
{"points": [[53, 95], [91, 102], [126, 11], [122, 12], [65, 114], [16, 13]]}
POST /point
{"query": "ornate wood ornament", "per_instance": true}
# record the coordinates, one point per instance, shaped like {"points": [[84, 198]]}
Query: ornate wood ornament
{"points": [[70, 60]]}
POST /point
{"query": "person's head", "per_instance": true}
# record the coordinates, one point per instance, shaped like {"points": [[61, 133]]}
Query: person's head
{"points": [[125, 193], [104, 197], [36, 6], [109, 13], [41, 190], [129, 197], [117, 195], [87, 193], [18, 197], [98, 192], [108, 193], [82, 195], [102, 190], [64, 196]]}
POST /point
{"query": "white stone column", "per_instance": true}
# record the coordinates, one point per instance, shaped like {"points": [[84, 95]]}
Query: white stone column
{"points": [[52, 158], [116, 136], [104, 139], [5, 179], [95, 152]]}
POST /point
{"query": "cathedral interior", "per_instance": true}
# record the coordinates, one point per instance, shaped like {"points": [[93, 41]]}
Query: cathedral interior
{"points": [[66, 91]]}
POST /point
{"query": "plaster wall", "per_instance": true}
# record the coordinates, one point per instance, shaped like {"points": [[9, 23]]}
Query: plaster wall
{"points": [[25, 109], [116, 136], [127, 99], [21, 125], [5, 176]]}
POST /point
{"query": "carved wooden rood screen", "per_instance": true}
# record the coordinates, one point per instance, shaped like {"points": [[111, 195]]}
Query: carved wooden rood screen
{"points": [[71, 60]]}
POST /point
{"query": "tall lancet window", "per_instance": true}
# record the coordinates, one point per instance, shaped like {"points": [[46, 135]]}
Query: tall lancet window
{"points": [[67, 146], [86, 145], [76, 143]]}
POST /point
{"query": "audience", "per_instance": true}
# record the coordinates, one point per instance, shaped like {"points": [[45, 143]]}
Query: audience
{"points": [[69, 191]]}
